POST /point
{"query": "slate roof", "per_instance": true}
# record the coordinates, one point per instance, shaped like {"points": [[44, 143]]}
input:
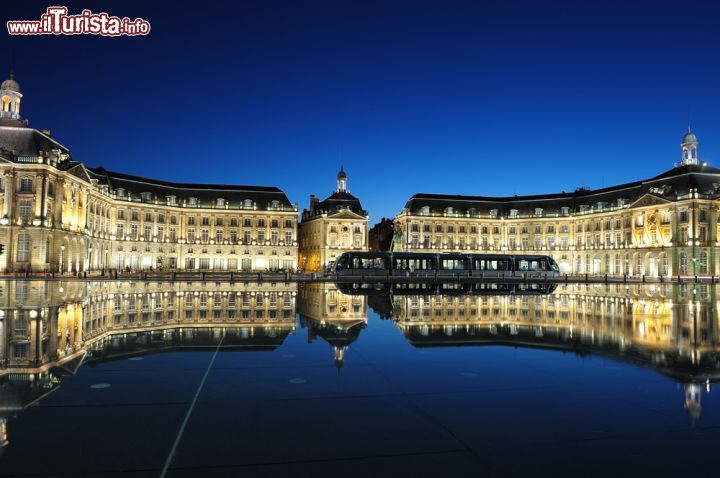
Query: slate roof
{"points": [[338, 201], [20, 140], [206, 194], [670, 186]]}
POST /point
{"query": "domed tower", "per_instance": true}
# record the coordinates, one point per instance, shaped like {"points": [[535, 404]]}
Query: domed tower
{"points": [[10, 97], [689, 147], [342, 181]]}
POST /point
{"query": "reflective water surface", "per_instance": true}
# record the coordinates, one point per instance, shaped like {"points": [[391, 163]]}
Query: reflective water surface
{"points": [[276, 379]]}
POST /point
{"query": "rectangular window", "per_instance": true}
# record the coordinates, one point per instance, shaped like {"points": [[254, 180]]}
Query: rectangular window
{"points": [[26, 185], [26, 210]]}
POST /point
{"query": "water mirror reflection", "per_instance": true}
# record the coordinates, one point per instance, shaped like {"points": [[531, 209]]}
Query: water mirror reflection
{"points": [[559, 362]]}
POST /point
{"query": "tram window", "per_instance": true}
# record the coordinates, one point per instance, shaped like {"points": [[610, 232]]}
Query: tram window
{"points": [[453, 264], [492, 265], [411, 264], [531, 265]]}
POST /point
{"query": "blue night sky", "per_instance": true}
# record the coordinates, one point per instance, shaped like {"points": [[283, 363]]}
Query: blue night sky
{"points": [[487, 98]]}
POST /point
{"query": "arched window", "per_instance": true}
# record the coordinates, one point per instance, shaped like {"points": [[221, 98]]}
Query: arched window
{"points": [[6, 103]]}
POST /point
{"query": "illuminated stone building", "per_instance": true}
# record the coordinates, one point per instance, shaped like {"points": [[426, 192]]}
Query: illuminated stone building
{"points": [[59, 215], [665, 225], [331, 227], [336, 317]]}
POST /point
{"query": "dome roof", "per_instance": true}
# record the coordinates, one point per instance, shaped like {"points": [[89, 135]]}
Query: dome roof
{"points": [[689, 137], [10, 84], [341, 174]]}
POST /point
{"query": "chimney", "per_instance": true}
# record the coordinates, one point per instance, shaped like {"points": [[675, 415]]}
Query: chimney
{"points": [[313, 202]]}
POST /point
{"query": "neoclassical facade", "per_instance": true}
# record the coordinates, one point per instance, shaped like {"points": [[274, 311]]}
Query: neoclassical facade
{"points": [[331, 227], [665, 225], [60, 215]]}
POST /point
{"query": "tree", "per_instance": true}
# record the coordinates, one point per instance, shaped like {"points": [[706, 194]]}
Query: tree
{"points": [[380, 236]]}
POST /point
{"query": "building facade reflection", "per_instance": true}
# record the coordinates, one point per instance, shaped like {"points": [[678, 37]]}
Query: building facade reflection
{"points": [[333, 315], [48, 329], [671, 328]]}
